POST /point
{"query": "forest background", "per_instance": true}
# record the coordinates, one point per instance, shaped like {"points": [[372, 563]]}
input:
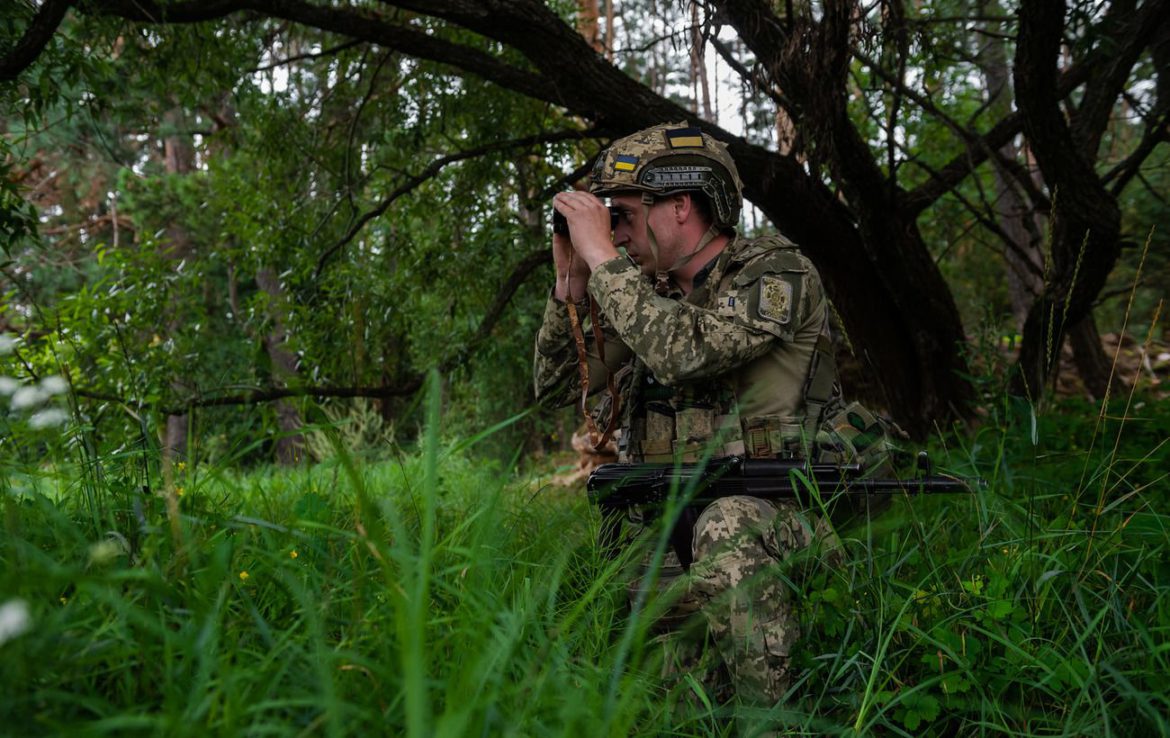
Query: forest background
{"points": [[239, 235]]}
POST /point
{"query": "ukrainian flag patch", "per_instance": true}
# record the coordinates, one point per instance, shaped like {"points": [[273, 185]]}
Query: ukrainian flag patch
{"points": [[623, 163], [685, 138]]}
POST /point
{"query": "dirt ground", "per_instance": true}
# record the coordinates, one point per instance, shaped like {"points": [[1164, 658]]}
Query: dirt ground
{"points": [[1148, 366]]}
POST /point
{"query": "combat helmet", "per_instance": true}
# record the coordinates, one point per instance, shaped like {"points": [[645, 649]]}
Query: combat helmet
{"points": [[667, 159]]}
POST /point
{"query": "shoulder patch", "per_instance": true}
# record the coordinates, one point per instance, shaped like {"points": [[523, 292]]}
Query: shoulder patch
{"points": [[770, 262], [750, 249], [776, 295]]}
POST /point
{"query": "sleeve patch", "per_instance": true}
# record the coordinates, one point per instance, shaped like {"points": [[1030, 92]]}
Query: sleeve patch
{"points": [[775, 299]]}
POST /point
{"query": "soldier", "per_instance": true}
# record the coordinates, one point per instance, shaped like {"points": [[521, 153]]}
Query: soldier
{"points": [[706, 340]]}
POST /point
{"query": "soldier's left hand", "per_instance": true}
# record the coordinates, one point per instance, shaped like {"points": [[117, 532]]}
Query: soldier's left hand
{"points": [[589, 222]]}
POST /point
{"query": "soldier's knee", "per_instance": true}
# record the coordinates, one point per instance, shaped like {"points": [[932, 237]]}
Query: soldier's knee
{"points": [[728, 518], [795, 530]]}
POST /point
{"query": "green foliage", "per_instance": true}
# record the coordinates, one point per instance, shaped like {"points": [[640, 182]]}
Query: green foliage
{"points": [[438, 595], [161, 302], [1031, 607], [423, 597], [18, 217]]}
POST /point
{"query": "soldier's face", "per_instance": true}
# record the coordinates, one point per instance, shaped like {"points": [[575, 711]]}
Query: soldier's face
{"points": [[631, 235]]}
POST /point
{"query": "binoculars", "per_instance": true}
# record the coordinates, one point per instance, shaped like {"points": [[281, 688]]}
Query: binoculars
{"points": [[561, 226]]}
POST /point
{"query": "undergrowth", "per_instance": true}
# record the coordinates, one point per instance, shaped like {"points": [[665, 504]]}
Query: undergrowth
{"points": [[436, 594]]}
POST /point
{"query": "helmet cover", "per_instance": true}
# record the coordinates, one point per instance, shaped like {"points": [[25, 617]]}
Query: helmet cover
{"points": [[667, 159]]}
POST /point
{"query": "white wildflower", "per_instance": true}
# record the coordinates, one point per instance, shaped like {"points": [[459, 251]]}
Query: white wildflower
{"points": [[54, 385], [15, 620], [27, 396], [7, 343], [105, 551], [8, 385], [48, 418]]}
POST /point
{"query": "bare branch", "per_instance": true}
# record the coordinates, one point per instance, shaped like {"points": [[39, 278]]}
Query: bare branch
{"points": [[414, 182], [271, 394], [978, 147], [331, 51], [519, 275], [408, 386], [1156, 133]]}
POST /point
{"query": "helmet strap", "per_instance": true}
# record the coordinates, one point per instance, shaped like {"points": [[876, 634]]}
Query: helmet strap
{"points": [[661, 276], [707, 238]]}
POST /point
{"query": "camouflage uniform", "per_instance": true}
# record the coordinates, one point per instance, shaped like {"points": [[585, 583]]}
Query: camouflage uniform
{"points": [[741, 363], [715, 370]]}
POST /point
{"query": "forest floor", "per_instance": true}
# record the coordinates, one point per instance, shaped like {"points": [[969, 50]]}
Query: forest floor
{"points": [[1133, 360]]}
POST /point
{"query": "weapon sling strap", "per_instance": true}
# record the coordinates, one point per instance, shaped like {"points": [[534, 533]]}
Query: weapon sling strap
{"points": [[819, 388], [597, 438]]}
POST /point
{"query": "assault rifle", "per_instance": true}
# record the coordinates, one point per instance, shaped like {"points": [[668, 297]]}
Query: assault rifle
{"points": [[617, 489]]}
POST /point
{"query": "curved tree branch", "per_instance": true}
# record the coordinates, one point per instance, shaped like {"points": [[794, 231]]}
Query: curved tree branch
{"points": [[346, 22], [495, 311], [36, 37], [1122, 174], [1127, 34]]}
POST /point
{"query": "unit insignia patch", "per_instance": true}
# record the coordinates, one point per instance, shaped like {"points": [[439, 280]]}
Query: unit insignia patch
{"points": [[775, 299]]}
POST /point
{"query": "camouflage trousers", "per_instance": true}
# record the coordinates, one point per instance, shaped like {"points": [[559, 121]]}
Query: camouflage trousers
{"points": [[747, 554]]}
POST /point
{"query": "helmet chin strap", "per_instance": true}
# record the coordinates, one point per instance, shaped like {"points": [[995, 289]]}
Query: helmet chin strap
{"points": [[662, 276]]}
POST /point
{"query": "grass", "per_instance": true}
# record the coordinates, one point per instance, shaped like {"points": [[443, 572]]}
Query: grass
{"points": [[437, 595]]}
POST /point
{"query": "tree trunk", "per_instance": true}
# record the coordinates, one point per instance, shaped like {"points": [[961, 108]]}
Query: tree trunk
{"points": [[290, 446], [1086, 218], [178, 158], [1022, 226], [587, 24], [699, 65], [1094, 366], [609, 31]]}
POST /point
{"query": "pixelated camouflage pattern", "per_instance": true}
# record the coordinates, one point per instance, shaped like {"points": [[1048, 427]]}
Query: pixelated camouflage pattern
{"points": [[652, 149], [740, 547], [707, 368], [555, 363], [747, 551]]}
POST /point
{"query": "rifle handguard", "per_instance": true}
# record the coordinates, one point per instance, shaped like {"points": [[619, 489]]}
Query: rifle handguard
{"points": [[616, 488]]}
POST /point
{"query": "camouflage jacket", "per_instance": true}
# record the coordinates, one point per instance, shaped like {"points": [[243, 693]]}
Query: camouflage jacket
{"points": [[733, 363]]}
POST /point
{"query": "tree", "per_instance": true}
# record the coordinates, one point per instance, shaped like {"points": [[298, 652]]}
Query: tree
{"points": [[852, 191]]}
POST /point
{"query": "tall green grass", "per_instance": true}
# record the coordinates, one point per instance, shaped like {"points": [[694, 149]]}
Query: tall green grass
{"points": [[437, 594]]}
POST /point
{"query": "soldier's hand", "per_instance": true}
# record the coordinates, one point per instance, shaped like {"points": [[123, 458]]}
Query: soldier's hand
{"points": [[589, 227]]}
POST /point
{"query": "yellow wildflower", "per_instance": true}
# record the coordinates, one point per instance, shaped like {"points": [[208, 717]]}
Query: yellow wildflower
{"points": [[293, 554], [181, 465], [243, 576], [180, 491]]}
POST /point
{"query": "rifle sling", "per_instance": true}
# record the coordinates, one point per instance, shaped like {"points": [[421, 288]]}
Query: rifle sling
{"points": [[597, 439]]}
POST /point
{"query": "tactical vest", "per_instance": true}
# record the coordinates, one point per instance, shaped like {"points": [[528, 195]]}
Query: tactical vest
{"points": [[772, 405]]}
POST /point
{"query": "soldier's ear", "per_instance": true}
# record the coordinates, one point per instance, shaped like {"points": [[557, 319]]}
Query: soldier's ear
{"points": [[682, 205]]}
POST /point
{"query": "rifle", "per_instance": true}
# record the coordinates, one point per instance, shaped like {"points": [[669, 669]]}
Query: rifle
{"points": [[618, 488]]}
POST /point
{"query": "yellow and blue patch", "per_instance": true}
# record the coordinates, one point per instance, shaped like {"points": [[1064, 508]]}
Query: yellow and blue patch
{"points": [[624, 163], [685, 138]]}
